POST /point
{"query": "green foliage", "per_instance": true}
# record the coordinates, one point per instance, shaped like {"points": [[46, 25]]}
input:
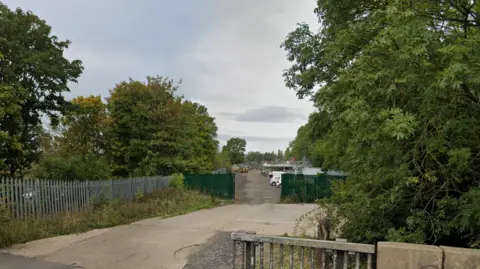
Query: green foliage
{"points": [[139, 196], [396, 88], [177, 181], [82, 129], [222, 160], [154, 132], [306, 143], [27, 93], [235, 148], [259, 157], [59, 167]]}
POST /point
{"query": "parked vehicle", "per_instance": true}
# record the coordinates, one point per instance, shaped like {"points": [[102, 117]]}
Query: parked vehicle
{"points": [[275, 177]]}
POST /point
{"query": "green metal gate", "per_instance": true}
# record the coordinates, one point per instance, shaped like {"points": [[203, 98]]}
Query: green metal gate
{"points": [[220, 185], [307, 189]]}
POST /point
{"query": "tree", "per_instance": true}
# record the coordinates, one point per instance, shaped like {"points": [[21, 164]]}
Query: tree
{"points": [[221, 160], [82, 129], [236, 149], [268, 156], [254, 156], [143, 117], [154, 132], [305, 143], [280, 156], [34, 74], [288, 155], [200, 137], [398, 95]]}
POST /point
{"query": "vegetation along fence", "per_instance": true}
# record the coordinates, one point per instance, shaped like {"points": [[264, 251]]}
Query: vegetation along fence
{"points": [[252, 251], [220, 185], [307, 189], [46, 197]]}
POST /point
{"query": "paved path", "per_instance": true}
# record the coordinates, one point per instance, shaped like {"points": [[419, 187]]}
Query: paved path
{"points": [[8, 261], [160, 243], [200, 237], [256, 189]]}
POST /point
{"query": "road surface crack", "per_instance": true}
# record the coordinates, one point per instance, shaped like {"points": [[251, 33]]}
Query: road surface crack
{"points": [[183, 248]]}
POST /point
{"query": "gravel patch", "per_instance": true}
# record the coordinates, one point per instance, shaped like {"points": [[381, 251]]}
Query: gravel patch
{"points": [[216, 253]]}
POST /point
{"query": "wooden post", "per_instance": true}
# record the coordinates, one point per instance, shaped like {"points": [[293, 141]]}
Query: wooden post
{"points": [[341, 255], [323, 233]]}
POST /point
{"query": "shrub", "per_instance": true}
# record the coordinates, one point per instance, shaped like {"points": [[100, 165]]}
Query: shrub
{"points": [[177, 182], [55, 166]]}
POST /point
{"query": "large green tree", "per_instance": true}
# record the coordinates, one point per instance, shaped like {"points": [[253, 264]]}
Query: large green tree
{"points": [[254, 156], [235, 147], [153, 131], [82, 129], [398, 88], [33, 76]]}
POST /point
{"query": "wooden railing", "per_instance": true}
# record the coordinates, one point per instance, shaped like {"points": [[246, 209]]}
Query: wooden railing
{"points": [[252, 251]]}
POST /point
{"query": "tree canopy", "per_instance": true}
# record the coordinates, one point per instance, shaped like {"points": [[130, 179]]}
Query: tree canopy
{"points": [[396, 87], [33, 76], [235, 147], [143, 129]]}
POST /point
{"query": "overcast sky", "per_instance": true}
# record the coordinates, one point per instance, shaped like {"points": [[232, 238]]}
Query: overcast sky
{"points": [[226, 52]]}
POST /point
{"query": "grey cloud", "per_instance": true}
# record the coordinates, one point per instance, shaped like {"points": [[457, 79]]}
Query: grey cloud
{"points": [[267, 114], [253, 138], [226, 53]]}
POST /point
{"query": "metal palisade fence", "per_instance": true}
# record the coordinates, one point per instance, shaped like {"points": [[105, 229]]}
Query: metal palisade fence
{"points": [[219, 185], [308, 188], [41, 197]]}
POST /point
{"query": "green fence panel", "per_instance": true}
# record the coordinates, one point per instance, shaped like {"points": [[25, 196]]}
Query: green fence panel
{"points": [[219, 185], [307, 189]]}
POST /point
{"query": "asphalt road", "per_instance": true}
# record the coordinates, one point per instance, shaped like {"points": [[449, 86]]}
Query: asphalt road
{"points": [[253, 188]]}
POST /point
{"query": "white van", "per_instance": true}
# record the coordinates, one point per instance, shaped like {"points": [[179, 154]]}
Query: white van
{"points": [[275, 177]]}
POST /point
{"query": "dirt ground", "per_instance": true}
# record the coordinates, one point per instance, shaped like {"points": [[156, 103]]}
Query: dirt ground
{"points": [[253, 188]]}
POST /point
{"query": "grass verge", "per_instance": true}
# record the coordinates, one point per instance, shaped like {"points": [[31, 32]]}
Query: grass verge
{"points": [[102, 214]]}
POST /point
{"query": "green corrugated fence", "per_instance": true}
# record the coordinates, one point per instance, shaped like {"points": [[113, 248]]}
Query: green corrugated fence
{"points": [[220, 185], [307, 189]]}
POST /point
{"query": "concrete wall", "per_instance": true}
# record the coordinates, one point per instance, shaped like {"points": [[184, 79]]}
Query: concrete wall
{"points": [[410, 256]]}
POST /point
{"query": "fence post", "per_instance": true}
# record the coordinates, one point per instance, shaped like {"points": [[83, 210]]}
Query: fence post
{"points": [[88, 191], [144, 189], [111, 188], [130, 190], [37, 196], [250, 253], [248, 257]]}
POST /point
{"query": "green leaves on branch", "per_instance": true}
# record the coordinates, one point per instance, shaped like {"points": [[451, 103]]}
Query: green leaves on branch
{"points": [[155, 132], [235, 148], [396, 88], [34, 75]]}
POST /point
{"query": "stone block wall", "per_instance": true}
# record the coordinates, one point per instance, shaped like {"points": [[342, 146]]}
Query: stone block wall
{"points": [[392, 255]]}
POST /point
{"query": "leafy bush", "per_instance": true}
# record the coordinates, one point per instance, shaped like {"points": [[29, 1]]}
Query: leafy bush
{"points": [[177, 181], [55, 166]]}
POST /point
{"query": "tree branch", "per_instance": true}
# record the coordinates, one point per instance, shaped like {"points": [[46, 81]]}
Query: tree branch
{"points": [[469, 93]]}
